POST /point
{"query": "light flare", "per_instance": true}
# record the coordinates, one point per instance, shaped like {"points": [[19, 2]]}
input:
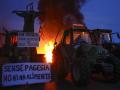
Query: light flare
{"points": [[48, 52]]}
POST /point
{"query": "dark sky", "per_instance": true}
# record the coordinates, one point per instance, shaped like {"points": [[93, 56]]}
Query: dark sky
{"points": [[98, 14], [102, 14]]}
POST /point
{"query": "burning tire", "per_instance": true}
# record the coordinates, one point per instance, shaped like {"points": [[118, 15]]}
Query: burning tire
{"points": [[81, 72]]}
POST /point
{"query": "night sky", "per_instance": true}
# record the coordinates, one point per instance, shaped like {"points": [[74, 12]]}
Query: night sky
{"points": [[103, 14]]}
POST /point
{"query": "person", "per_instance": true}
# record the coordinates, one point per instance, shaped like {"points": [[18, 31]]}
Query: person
{"points": [[78, 41], [104, 39]]}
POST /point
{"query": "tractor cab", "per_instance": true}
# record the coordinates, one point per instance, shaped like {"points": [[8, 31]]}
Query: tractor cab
{"points": [[116, 38], [107, 39], [102, 36], [76, 36]]}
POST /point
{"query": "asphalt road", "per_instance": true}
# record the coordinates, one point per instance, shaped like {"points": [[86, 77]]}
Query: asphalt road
{"points": [[68, 85]]}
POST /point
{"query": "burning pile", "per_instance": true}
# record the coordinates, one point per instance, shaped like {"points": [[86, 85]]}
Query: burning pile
{"points": [[57, 16], [48, 54]]}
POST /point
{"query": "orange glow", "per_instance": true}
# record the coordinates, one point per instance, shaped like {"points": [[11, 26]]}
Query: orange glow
{"points": [[41, 49], [48, 52]]}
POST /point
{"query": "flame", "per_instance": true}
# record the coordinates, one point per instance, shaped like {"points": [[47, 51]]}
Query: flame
{"points": [[48, 51]]}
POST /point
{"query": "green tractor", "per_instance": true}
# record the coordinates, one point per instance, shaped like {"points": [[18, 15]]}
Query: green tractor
{"points": [[78, 54], [107, 39]]}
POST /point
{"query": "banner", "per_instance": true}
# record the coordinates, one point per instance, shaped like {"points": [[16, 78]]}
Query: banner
{"points": [[25, 73], [28, 39]]}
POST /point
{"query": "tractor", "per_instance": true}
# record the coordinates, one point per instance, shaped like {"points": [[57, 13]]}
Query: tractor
{"points": [[107, 39], [80, 55]]}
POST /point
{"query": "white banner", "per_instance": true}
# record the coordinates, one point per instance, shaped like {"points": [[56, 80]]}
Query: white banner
{"points": [[28, 39], [25, 73]]}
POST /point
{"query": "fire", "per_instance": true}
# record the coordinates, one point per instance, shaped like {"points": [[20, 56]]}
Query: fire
{"points": [[48, 52]]}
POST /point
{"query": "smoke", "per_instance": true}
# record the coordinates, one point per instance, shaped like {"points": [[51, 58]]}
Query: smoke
{"points": [[57, 15]]}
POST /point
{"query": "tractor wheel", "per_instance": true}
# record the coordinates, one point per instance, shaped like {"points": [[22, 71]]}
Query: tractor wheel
{"points": [[58, 68], [116, 64], [115, 75], [81, 73]]}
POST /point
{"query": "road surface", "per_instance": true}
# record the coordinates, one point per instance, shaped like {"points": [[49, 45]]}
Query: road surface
{"points": [[68, 85]]}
